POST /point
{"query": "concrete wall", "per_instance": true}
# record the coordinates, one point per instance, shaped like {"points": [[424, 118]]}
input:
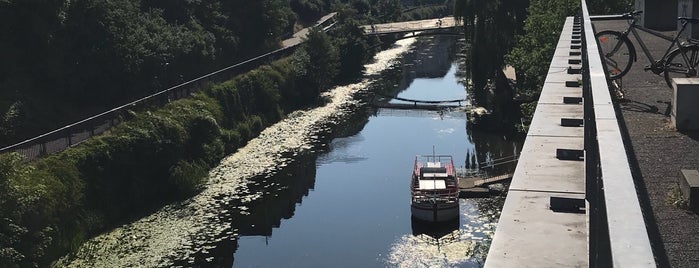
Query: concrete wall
{"points": [[658, 14], [688, 8]]}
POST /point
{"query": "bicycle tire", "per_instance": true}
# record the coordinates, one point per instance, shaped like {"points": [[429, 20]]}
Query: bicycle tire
{"points": [[617, 53], [676, 66]]}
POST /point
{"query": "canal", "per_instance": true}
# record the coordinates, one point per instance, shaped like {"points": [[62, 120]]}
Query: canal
{"points": [[348, 205], [329, 186]]}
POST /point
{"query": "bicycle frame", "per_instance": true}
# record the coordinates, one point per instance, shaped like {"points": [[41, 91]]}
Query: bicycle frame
{"points": [[675, 61], [673, 40]]}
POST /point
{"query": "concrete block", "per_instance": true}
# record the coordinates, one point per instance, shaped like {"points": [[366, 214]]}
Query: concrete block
{"points": [[685, 111], [689, 184]]}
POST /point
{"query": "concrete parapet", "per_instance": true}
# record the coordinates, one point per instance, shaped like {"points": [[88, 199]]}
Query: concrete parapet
{"points": [[685, 111], [689, 185], [537, 227]]}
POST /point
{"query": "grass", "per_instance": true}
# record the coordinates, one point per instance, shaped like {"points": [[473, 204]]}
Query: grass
{"points": [[677, 199]]}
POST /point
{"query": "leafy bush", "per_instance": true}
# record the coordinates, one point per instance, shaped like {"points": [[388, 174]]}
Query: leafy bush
{"points": [[187, 176], [534, 49]]}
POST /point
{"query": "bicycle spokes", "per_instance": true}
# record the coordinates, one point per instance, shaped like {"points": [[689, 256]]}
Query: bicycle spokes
{"points": [[682, 63], [616, 52]]}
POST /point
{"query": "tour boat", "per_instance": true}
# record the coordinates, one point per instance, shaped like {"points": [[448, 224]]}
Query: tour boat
{"points": [[434, 189]]}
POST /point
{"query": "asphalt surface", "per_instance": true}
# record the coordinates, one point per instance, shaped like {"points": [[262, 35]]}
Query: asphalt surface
{"points": [[407, 26], [297, 38], [657, 153]]}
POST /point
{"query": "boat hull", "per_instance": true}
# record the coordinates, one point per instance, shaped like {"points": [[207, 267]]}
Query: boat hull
{"points": [[433, 213]]}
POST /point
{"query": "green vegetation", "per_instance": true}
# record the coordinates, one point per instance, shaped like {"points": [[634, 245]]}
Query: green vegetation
{"points": [[527, 32], [676, 198], [65, 60], [427, 9], [50, 206], [535, 47]]}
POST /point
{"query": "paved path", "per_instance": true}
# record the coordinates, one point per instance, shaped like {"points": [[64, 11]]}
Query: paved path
{"points": [[297, 38], [409, 26], [657, 153], [465, 183]]}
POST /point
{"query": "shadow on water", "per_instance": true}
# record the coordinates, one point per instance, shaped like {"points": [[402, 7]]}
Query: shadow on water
{"points": [[281, 194], [435, 230]]}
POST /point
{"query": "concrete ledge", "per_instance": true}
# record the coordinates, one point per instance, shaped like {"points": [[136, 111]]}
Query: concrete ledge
{"points": [[539, 170], [530, 234], [685, 111], [548, 120], [689, 185]]}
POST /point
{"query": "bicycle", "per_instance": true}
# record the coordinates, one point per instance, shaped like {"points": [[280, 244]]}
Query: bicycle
{"points": [[619, 53]]}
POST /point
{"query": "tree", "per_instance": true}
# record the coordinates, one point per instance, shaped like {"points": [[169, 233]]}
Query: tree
{"points": [[319, 60], [353, 48]]}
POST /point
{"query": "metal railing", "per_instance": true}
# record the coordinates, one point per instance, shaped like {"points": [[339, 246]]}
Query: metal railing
{"points": [[617, 230], [73, 134]]}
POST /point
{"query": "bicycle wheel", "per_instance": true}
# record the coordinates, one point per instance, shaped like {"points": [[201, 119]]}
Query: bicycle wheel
{"points": [[617, 53], [677, 67]]}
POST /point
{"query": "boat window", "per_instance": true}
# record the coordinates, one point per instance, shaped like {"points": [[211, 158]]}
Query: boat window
{"points": [[424, 170]]}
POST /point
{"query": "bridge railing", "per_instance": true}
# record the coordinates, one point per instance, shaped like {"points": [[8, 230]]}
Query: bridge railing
{"points": [[73, 134], [617, 231]]}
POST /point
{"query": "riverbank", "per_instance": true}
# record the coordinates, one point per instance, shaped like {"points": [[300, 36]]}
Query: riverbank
{"points": [[187, 230]]}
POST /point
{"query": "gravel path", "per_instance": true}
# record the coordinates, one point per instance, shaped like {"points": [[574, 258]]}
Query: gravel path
{"points": [[658, 152]]}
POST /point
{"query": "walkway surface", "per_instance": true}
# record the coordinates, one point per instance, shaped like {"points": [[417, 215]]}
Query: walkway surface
{"points": [[409, 26], [657, 153], [298, 37]]}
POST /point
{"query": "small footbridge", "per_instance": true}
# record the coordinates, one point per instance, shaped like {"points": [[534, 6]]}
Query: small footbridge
{"points": [[474, 182], [380, 101]]}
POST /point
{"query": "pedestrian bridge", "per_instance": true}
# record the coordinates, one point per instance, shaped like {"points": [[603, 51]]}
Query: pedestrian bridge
{"points": [[446, 25]]}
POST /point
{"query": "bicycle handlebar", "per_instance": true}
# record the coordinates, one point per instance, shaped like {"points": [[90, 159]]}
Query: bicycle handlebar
{"points": [[688, 20], [625, 16], [633, 13]]}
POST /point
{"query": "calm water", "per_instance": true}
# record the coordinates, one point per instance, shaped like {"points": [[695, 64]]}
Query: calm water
{"points": [[350, 206]]}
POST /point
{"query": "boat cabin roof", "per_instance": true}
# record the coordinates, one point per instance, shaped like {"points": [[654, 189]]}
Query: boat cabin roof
{"points": [[432, 184], [434, 166], [433, 172]]}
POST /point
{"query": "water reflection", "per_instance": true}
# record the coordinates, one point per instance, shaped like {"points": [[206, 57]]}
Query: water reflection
{"points": [[460, 243], [431, 245], [351, 202], [280, 195]]}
